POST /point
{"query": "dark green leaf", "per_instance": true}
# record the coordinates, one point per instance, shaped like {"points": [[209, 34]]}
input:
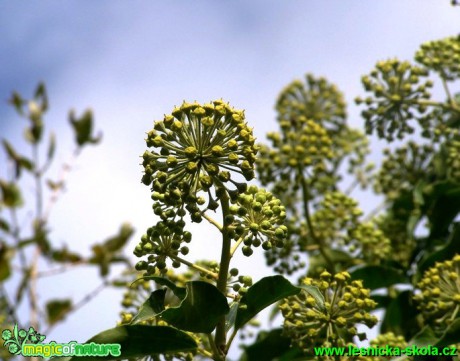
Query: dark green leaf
{"points": [[316, 294], [400, 316], [41, 96], [6, 254], [382, 300], [11, 195], [51, 147], [375, 277], [446, 252], [138, 341], [317, 264], [151, 307], [179, 292], [268, 346], [4, 225], [425, 337], [200, 310], [17, 102], [451, 336], [64, 255], [83, 128], [56, 310], [231, 316], [262, 294]]}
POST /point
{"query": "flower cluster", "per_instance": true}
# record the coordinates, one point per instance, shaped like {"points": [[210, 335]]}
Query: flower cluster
{"points": [[198, 147], [162, 241], [257, 217], [453, 159], [403, 168], [396, 95], [385, 340], [288, 260], [372, 243], [307, 147], [394, 227], [316, 99], [331, 321], [443, 56], [439, 297]]}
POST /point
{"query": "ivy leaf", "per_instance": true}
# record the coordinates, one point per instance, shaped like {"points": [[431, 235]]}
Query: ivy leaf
{"points": [[51, 147], [268, 346], [200, 310], [6, 254], [11, 195], [231, 316], [64, 255], [179, 292], [451, 335], [138, 341], [441, 254], [375, 277], [151, 307], [83, 127], [262, 294], [56, 310], [400, 316]]}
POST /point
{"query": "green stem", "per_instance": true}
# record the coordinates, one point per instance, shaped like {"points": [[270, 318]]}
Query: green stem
{"points": [[220, 337], [318, 241], [194, 266], [236, 245], [212, 221]]}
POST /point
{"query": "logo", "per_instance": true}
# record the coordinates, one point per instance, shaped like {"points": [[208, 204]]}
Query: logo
{"points": [[30, 343]]}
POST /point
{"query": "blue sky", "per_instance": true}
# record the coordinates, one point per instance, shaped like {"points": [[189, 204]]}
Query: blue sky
{"points": [[131, 62]]}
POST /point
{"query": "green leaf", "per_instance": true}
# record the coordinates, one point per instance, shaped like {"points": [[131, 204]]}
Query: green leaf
{"points": [[401, 316], [375, 277], [179, 292], [41, 96], [441, 254], [51, 147], [450, 336], [231, 316], [17, 102], [425, 337], [56, 310], [6, 254], [11, 195], [317, 263], [4, 225], [83, 128], [442, 206], [268, 346], [138, 341], [200, 310], [64, 255], [262, 294], [316, 294], [151, 307]]}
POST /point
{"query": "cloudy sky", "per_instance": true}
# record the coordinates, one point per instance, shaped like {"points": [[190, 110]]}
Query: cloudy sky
{"points": [[131, 62]]}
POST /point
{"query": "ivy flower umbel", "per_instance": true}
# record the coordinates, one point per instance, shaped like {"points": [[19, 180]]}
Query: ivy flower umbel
{"points": [[197, 147], [396, 95], [259, 218], [439, 297], [443, 56], [314, 99], [331, 321], [162, 241]]}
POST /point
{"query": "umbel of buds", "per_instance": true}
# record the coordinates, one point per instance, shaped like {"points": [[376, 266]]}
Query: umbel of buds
{"points": [[195, 148], [397, 93], [329, 320], [439, 297], [258, 218], [443, 56]]}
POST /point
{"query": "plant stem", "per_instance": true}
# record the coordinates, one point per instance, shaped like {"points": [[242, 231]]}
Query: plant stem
{"points": [[196, 267], [212, 221], [237, 244], [220, 337], [318, 241]]}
